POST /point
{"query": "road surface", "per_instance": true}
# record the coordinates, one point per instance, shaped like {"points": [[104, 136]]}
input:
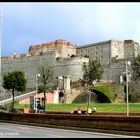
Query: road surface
{"points": [[10, 130]]}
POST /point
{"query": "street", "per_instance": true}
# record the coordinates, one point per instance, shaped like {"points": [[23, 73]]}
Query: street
{"points": [[9, 130]]}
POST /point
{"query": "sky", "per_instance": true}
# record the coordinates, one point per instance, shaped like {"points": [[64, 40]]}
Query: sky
{"points": [[32, 23]]}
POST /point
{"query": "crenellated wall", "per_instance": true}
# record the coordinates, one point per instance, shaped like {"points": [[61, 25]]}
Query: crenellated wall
{"points": [[64, 48]]}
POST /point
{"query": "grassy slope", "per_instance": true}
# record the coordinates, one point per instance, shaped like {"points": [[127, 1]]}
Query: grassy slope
{"points": [[109, 90], [101, 107]]}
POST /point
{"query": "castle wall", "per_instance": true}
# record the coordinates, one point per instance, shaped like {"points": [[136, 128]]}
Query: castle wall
{"points": [[136, 49], [67, 52], [117, 49], [97, 51], [114, 71], [111, 54], [70, 67], [29, 65], [131, 49], [64, 48]]}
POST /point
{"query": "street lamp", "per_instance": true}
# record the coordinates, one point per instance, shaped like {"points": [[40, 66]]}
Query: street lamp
{"points": [[37, 75], [88, 98], [127, 63]]}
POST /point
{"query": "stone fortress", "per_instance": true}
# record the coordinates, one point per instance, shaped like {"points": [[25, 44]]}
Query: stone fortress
{"points": [[55, 54], [113, 55], [66, 59]]}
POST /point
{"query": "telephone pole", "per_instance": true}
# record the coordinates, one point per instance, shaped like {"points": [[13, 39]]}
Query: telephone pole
{"points": [[127, 63], [0, 43]]}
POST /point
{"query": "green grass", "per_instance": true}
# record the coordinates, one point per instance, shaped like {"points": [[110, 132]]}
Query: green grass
{"points": [[101, 107], [109, 90], [106, 90]]}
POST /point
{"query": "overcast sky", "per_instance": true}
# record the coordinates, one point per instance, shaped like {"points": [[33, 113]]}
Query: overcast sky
{"points": [[25, 24]]}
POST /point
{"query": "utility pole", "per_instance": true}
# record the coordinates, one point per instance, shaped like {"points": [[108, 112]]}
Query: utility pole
{"points": [[88, 95], [0, 44], [127, 63], [37, 75], [88, 106]]}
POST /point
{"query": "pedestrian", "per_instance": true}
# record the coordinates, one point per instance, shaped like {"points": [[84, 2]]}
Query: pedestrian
{"points": [[89, 110], [94, 109], [40, 108], [79, 111]]}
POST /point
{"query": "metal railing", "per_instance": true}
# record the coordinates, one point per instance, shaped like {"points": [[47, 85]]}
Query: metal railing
{"points": [[17, 98]]}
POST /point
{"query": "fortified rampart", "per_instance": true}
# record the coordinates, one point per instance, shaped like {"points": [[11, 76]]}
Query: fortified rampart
{"points": [[66, 59], [29, 65], [71, 66], [64, 48], [116, 68]]}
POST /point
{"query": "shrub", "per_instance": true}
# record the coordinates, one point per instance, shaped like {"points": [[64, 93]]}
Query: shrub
{"points": [[134, 97]]}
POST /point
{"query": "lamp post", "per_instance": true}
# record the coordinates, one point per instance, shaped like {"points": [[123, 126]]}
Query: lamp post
{"points": [[88, 100], [88, 92], [127, 63], [37, 75]]}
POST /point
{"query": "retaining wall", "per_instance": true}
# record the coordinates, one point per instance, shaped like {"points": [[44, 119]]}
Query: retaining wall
{"points": [[106, 122]]}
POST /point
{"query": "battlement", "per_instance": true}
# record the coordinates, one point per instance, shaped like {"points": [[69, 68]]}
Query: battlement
{"points": [[129, 41], [55, 46], [20, 56], [60, 61]]}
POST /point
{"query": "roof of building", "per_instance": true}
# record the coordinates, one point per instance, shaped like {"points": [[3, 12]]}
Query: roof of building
{"points": [[97, 43]]}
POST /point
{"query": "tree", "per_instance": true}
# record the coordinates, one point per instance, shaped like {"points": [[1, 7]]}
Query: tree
{"points": [[92, 71], [134, 86], [46, 77], [14, 81], [136, 68]]}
